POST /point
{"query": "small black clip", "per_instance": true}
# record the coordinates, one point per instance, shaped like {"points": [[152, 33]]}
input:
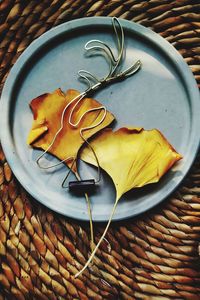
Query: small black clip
{"points": [[82, 186]]}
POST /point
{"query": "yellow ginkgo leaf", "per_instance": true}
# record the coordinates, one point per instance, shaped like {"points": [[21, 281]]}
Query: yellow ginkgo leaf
{"points": [[133, 157], [47, 112]]}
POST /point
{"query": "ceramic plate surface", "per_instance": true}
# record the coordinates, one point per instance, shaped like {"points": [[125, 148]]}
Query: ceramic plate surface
{"points": [[162, 95]]}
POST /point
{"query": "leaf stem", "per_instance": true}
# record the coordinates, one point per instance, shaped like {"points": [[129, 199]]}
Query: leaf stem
{"points": [[89, 213], [90, 220], [101, 239]]}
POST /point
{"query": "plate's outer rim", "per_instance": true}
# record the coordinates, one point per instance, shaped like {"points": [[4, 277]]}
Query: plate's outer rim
{"points": [[166, 47]]}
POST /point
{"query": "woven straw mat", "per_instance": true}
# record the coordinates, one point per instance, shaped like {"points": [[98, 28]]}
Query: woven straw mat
{"points": [[152, 257]]}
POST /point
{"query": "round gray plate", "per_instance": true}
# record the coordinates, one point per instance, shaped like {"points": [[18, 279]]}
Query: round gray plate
{"points": [[162, 95]]}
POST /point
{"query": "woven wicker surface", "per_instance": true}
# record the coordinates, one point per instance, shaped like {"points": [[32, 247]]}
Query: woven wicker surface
{"points": [[153, 257]]}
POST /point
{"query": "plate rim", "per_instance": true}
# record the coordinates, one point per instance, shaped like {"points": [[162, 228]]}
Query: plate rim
{"points": [[167, 48]]}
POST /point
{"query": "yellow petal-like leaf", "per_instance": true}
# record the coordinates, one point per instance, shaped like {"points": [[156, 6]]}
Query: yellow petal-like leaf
{"points": [[47, 111], [133, 157]]}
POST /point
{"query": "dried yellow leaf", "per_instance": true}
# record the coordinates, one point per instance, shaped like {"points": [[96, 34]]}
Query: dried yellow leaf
{"points": [[133, 157], [47, 111]]}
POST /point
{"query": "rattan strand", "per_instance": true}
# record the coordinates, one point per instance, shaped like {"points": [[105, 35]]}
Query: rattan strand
{"points": [[153, 257]]}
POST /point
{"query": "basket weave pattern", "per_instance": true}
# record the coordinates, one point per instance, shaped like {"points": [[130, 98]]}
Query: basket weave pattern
{"points": [[153, 257]]}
